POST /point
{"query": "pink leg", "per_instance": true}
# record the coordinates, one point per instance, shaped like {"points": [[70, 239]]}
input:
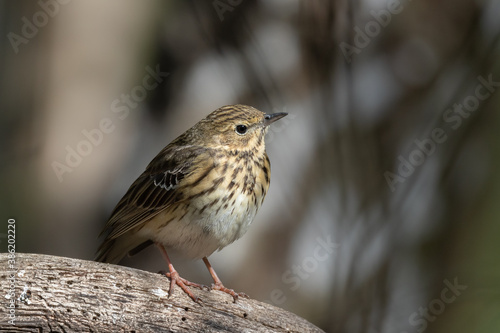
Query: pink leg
{"points": [[174, 277], [218, 283]]}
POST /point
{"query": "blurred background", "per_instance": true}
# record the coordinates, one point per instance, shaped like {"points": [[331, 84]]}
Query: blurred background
{"points": [[383, 211]]}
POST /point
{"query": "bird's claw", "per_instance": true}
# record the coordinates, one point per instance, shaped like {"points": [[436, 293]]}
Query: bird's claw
{"points": [[175, 279], [220, 287]]}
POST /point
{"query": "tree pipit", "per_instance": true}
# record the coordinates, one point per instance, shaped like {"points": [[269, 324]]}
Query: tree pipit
{"points": [[198, 195]]}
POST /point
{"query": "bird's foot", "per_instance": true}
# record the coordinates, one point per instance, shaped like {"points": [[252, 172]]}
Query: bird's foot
{"points": [[220, 286], [175, 279]]}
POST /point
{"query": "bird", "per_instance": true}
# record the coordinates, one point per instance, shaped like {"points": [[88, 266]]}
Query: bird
{"points": [[197, 196]]}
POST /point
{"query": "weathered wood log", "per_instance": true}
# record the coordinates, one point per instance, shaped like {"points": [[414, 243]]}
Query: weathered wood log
{"points": [[57, 294]]}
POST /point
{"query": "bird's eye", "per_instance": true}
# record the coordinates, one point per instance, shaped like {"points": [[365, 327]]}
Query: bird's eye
{"points": [[241, 129]]}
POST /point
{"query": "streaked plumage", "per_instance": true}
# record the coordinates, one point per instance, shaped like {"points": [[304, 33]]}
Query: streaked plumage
{"points": [[200, 193]]}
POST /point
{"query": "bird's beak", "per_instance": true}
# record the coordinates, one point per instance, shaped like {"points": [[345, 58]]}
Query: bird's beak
{"points": [[271, 118]]}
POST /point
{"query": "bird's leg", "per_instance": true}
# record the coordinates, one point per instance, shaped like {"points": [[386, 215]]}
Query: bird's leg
{"points": [[174, 277], [217, 285]]}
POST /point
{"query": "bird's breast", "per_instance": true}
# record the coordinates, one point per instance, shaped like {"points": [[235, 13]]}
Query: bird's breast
{"points": [[216, 209]]}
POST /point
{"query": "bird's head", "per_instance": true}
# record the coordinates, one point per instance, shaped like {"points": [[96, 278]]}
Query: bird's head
{"points": [[237, 127]]}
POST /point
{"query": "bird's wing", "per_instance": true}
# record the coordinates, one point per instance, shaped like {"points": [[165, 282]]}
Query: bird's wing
{"points": [[153, 191]]}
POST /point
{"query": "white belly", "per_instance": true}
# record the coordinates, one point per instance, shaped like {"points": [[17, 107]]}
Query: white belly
{"points": [[198, 235]]}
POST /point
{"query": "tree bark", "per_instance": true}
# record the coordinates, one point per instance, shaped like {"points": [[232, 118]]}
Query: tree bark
{"points": [[57, 294]]}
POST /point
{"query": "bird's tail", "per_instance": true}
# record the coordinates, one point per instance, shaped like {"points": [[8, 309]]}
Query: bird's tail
{"points": [[113, 250]]}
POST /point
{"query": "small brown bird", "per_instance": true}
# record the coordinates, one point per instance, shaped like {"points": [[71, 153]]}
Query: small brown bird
{"points": [[198, 195]]}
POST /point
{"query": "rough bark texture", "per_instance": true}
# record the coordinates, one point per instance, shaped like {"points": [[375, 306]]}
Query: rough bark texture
{"points": [[57, 294]]}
